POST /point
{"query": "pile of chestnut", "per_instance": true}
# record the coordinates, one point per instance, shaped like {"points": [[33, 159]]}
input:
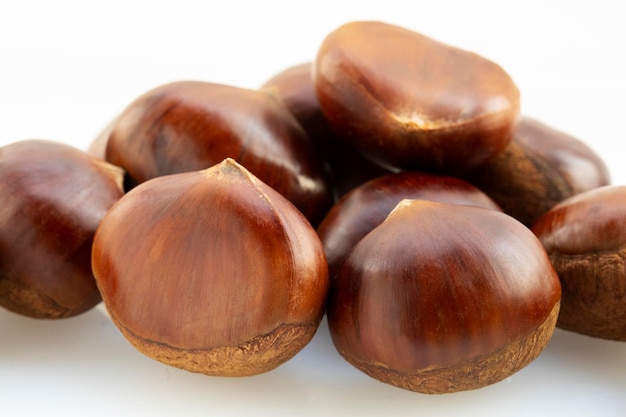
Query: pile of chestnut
{"points": [[390, 183]]}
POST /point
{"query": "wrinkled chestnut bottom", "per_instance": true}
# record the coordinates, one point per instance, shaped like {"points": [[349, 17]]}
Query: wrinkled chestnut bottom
{"points": [[258, 355], [603, 330], [471, 374], [593, 302], [28, 301]]}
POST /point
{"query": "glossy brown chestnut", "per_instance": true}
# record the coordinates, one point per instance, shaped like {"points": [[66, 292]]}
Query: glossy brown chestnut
{"points": [[540, 168], [294, 86], [211, 271], [53, 198], [585, 237], [192, 125], [367, 206], [410, 102], [442, 298]]}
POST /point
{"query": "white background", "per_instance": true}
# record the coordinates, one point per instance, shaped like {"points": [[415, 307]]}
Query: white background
{"points": [[68, 67]]}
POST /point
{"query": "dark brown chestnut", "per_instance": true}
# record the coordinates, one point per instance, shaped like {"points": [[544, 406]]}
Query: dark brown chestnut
{"points": [[585, 237], [294, 86], [192, 125], [211, 271], [367, 206], [53, 198], [541, 167], [410, 102], [441, 298]]}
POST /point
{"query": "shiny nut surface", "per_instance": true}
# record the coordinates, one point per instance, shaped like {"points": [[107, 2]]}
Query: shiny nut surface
{"points": [[411, 102], [192, 125], [540, 168], [53, 198], [585, 237], [442, 298], [367, 206], [294, 87], [211, 271]]}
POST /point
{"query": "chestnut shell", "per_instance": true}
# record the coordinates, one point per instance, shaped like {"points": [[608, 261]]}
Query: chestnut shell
{"points": [[53, 198], [410, 102], [540, 168], [442, 298], [211, 271], [585, 237], [192, 125], [367, 206]]}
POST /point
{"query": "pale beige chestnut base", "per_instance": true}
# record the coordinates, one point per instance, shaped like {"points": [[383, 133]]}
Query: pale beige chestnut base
{"points": [[258, 355], [470, 374]]}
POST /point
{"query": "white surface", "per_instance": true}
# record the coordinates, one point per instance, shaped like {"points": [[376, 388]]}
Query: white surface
{"points": [[67, 68]]}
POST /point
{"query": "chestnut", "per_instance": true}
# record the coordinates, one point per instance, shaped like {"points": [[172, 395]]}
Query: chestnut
{"points": [[294, 87], [367, 206], [541, 167], [53, 198], [585, 237], [192, 125], [211, 271], [410, 102], [442, 298]]}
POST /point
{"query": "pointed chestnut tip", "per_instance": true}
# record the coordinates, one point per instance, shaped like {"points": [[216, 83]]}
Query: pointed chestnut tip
{"points": [[408, 205], [404, 204], [228, 165], [232, 170]]}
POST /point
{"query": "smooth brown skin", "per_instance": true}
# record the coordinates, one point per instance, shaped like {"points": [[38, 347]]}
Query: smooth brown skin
{"points": [[539, 169], [585, 237], [367, 206], [191, 125], [410, 102], [53, 198], [294, 86], [443, 297], [228, 268]]}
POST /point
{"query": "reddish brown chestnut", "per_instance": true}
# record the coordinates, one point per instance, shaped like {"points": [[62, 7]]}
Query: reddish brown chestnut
{"points": [[540, 168], [367, 206], [442, 298], [410, 102], [192, 125], [294, 86], [585, 237], [53, 198], [211, 271]]}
